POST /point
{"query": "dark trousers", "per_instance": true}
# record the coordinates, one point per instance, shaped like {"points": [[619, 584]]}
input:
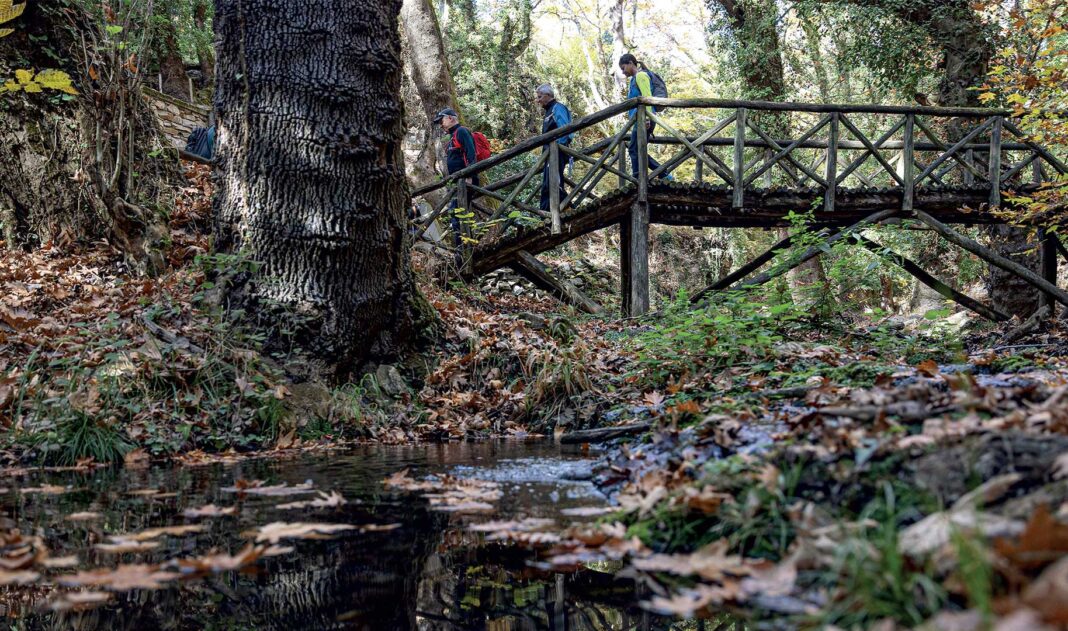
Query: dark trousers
{"points": [[545, 182], [633, 149], [454, 221]]}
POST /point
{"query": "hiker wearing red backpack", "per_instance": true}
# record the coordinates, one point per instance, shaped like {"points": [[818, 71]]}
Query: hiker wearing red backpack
{"points": [[463, 149]]}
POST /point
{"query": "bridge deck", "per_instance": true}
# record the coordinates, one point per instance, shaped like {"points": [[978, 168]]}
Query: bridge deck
{"points": [[848, 164]]}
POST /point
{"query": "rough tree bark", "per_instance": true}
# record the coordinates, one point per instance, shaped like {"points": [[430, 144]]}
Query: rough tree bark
{"points": [[86, 168], [310, 180]]}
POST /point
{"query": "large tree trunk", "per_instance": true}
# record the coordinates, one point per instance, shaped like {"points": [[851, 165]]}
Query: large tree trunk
{"points": [[311, 173], [84, 168]]}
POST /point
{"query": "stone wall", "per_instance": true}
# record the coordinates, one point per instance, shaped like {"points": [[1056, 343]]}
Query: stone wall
{"points": [[178, 118]]}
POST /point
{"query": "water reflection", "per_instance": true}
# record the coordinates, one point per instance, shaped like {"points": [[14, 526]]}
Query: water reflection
{"points": [[429, 574]]}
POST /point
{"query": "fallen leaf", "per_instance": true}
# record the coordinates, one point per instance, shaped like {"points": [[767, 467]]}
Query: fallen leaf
{"points": [[257, 487], [77, 601], [276, 531], [124, 547], [121, 579], [21, 577], [209, 510], [332, 500]]}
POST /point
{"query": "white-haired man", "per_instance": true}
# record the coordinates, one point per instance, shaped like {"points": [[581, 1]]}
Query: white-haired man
{"points": [[556, 115]]}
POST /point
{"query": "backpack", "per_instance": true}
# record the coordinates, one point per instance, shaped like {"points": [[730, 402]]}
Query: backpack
{"points": [[482, 146], [201, 142], [658, 87]]}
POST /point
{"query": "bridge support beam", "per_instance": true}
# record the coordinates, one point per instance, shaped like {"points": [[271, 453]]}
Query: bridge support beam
{"points": [[921, 275], [529, 267], [634, 260]]}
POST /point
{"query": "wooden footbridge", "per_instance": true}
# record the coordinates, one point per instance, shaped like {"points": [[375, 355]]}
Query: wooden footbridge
{"points": [[853, 165]]}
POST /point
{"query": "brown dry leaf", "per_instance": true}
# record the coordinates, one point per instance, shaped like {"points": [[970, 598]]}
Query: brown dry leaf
{"points": [[78, 601], [136, 459], [123, 547], [588, 511], [706, 500], [379, 527], [150, 493], [1060, 466], [155, 533], [711, 563], [222, 562], [122, 578], [928, 368], [47, 489], [60, 562], [209, 510], [1048, 594], [257, 487], [689, 602], [1043, 540], [332, 500], [276, 531], [84, 516], [20, 577], [776, 580], [936, 530]]}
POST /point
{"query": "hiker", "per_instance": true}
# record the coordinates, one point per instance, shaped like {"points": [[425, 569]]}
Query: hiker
{"points": [[642, 81], [459, 154], [556, 115]]}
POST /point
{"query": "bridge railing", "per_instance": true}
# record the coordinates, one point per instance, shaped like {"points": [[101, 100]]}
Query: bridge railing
{"points": [[749, 148]]}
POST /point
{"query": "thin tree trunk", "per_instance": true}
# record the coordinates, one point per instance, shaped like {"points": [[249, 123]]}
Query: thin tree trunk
{"points": [[205, 53], [311, 175], [427, 69]]}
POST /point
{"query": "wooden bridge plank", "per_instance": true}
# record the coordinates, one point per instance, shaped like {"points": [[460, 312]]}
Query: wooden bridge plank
{"points": [[739, 159]]}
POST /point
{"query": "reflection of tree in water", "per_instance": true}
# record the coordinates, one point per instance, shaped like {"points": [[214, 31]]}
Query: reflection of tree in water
{"points": [[469, 586]]}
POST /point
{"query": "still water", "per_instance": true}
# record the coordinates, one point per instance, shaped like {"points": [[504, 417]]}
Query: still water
{"points": [[431, 573]]}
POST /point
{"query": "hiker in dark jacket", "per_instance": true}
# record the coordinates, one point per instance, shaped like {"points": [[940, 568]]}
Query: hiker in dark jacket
{"points": [[556, 115], [459, 154], [460, 150], [640, 85]]}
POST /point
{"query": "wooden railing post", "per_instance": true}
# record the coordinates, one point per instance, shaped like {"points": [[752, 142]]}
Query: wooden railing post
{"points": [[739, 159], [969, 177], [907, 153], [463, 203], [832, 165], [624, 146], [995, 163], [554, 186], [643, 154]]}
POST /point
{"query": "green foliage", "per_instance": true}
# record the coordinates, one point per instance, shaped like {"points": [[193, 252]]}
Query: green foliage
{"points": [[735, 330], [873, 578], [492, 68]]}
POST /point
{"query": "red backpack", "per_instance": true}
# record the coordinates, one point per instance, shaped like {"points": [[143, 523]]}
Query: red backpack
{"points": [[482, 146]]}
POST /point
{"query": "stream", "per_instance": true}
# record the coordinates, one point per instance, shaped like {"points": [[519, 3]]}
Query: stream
{"points": [[430, 572]]}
